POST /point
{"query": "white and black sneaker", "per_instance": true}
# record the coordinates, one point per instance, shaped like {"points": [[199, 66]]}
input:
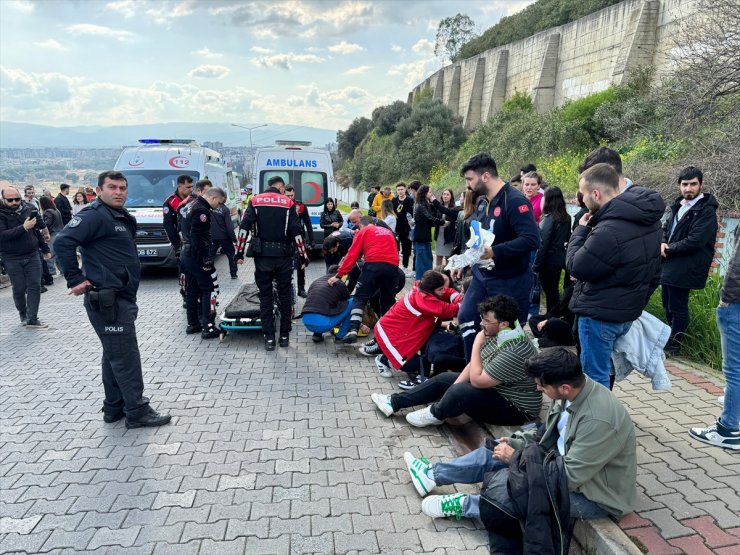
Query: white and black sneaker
{"points": [[370, 350], [384, 370], [717, 435], [411, 383]]}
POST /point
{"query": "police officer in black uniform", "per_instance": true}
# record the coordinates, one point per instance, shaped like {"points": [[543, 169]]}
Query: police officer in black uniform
{"points": [[105, 234], [197, 261], [273, 221], [172, 204]]}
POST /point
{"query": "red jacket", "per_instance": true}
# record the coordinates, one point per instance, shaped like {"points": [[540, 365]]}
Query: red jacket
{"points": [[404, 329], [375, 244]]}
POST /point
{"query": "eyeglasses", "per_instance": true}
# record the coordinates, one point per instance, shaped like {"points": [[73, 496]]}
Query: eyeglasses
{"points": [[483, 319], [17, 199]]}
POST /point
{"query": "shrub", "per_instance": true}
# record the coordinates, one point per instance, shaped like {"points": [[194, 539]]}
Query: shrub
{"points": [[562, 171]]}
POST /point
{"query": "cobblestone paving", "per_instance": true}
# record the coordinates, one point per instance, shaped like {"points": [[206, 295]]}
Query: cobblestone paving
{"points": [[277, 452]]}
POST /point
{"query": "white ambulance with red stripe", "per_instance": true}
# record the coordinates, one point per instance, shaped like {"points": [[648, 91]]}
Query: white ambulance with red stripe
{"points": [[309, 170], [151, 169]]}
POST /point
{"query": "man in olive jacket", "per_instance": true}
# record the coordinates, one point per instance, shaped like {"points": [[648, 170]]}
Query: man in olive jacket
{"points": [[587, 426], [687, 249]]}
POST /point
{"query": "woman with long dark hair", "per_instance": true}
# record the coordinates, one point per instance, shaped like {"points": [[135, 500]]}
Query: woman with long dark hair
{"points": [[424, 220], [53, 220], [78, 202], [445, 234], [554, 234], [331, 219]]}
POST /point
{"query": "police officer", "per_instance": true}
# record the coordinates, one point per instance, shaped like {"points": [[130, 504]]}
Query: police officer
{"points": [[197, 261], [104, 232], [273, 221], [305, 222], [172, 204]]}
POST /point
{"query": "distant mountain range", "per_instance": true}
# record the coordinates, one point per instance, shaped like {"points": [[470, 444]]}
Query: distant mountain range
{"points": [[25, 135]]}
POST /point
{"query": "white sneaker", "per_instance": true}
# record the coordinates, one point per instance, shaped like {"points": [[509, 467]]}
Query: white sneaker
{"points": [[410, 274], [721, 400], [422, 418], [418, 468], [441, 506], [383, 402], [384, 370]]}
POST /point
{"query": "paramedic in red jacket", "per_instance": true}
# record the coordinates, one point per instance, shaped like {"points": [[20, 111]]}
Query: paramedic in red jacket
{"points": [[407, 326], [377, 245]]}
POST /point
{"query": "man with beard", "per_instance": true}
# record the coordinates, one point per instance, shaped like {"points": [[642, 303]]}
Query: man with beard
{"points": [[687, 250], [507, 213]]}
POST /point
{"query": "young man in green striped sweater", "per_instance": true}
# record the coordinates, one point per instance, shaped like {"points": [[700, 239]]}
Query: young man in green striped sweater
{"points": [[493, 387]]}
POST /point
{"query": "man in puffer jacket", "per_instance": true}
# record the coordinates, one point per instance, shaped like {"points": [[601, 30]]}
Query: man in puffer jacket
{"points": [[614, 253]]}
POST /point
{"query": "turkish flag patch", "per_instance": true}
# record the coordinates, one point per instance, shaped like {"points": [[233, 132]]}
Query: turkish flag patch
{"points": [[203, 218], [523, 208]]}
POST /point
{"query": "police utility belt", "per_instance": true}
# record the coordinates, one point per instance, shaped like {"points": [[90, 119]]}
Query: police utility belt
{"points": [[104, 302], [258, 247]]}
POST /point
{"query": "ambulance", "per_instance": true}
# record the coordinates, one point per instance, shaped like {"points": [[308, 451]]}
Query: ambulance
{"points": [[309, 170], [151, 169]]}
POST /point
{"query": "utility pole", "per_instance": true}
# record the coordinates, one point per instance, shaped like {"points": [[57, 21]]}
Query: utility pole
{"points": [[251, 147]]}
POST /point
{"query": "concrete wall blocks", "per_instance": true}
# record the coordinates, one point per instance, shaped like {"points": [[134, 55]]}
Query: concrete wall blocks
{"points": [[563, 63]]}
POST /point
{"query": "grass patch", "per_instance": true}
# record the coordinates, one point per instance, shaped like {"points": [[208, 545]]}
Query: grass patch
{"points": [[702, 338]]}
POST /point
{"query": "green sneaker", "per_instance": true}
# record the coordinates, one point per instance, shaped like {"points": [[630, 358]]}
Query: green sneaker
{"points": [[419, 470], [441, 506]]}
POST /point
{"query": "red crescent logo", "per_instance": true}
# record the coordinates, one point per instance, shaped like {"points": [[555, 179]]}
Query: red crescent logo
{"points": [[317, 190], [138, 161], [179, 162]]}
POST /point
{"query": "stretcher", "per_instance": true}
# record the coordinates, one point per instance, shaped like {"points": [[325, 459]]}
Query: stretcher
{"points": [[243, 311]]}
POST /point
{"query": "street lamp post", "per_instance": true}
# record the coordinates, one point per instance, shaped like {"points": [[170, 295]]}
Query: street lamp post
{"points": [[251, 148]]}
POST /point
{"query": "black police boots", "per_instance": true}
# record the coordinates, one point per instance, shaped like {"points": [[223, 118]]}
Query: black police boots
{"points": [[150, 419], [284, 341], [302, 292], [269, 343], [110, 417], [210, 332], [193, 328]]}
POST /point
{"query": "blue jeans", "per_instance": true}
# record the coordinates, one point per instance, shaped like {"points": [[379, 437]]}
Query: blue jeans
{"points": [[597, 343], [728, 321], [319, 323], [423, 258], [472, 468], [482, 287]]}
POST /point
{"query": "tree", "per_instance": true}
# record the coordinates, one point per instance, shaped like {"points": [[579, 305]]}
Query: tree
{"points": [[386, 118], [452, 34], [349, 140]]}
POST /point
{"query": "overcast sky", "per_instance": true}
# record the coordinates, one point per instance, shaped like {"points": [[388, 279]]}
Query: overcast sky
{"points": [[319, 63]]}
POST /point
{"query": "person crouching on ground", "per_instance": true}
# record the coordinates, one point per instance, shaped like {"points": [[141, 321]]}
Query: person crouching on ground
{"points": [[494, 387], [589, 467], [407, 326], [327, 307]]}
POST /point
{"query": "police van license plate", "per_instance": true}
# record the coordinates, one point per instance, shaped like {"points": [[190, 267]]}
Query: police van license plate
{"points": [[147, 252]]}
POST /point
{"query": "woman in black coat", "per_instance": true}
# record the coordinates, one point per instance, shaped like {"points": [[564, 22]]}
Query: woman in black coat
{"points": [[554, 235], [331, 219]]}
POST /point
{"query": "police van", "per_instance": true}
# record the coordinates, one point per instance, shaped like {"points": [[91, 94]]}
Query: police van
{"points": [[309, 170], [151, 170]]}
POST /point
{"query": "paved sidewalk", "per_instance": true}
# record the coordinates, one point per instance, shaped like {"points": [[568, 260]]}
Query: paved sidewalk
{"points": [[279, 452]]}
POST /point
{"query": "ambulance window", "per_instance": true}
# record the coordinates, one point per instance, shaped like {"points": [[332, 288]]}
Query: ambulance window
{"points": [[312, 188], [267, 175]]}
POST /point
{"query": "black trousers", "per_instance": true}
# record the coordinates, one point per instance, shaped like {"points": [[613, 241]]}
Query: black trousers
{"points": [[676, 306], [198, 288], [25, 277], [227, 249], [379, 277], [450, 399], [280, 270], [405, 241], [549, 279], [123, 382], [557, 331]]}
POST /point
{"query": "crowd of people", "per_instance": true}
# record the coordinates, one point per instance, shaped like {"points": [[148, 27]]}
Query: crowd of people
{"points": [[471, 341]]}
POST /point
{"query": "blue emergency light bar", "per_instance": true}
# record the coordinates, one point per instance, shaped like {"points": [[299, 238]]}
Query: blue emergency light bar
{"points": [[165, 141]]}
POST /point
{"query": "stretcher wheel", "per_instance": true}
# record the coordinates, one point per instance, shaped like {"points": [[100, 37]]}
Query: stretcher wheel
{"points": [[222, 336]]}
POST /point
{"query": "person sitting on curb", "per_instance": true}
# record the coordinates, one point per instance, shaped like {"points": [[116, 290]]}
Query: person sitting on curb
{"points": [[327, 307], [588, 435], [405, 328], [493, 387], [555, 327]]}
